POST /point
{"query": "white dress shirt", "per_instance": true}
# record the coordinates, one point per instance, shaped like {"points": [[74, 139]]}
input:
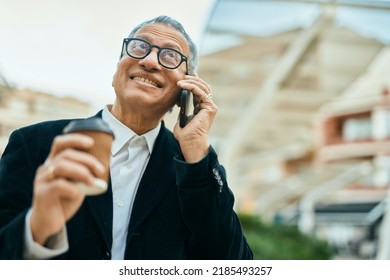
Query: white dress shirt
{"points": [[130, 155]]}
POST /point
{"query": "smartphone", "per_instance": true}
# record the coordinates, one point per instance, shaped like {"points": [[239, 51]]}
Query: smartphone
{"points": [[185, 106]]}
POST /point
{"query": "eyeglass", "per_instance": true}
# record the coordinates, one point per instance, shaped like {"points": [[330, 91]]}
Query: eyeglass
{"points": [[167, 57]]}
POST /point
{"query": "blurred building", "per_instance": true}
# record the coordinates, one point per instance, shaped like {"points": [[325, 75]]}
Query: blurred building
{"points": [[21, 107], [302, 128]]}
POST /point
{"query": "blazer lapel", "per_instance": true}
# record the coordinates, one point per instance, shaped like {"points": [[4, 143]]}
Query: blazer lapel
{"points": [[101, 209], [158, 177]]}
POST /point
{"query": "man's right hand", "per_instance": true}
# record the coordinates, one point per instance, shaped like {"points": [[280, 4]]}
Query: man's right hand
{"points": [[56, 195]]}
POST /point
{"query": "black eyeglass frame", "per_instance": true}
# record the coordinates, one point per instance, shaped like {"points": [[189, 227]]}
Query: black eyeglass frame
{"points": [[126, 42]]}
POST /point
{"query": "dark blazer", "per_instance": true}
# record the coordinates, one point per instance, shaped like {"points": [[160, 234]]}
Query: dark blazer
{"points": [[181, 211]]}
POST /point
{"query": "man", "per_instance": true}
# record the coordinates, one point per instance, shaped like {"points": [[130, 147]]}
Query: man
{"points": [[168, 197]]}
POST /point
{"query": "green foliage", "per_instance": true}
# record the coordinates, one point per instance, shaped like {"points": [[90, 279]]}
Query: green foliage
{"points": [[281, 242]]}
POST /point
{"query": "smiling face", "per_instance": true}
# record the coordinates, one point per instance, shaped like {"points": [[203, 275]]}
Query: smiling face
{"points": [[145, 89]]}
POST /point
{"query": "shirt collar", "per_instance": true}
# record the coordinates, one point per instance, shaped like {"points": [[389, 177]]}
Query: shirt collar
{"points": [[123, 134]]}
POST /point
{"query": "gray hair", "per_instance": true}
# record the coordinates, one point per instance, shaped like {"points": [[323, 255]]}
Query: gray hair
{"points": [[193, 55]]}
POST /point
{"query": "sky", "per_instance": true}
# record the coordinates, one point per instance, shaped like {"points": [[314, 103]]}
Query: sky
{"points": [[71, 47], [266, 18]]}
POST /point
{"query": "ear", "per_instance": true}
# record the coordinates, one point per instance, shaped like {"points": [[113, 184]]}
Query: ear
{"points": [[113, 77]]}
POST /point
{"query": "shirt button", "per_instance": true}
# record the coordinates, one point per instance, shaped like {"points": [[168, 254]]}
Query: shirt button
{"points": [[215, 171], [137, 141], [119, 202], [220, 182]]}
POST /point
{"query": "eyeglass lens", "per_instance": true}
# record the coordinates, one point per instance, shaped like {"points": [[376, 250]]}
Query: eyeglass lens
{"points": [[167, 57]]}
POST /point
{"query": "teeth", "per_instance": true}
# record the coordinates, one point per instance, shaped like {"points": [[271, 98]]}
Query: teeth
{"points": [[145, 81]]}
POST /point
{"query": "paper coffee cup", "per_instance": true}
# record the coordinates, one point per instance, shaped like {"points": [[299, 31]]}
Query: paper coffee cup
{"points": [[97, 129]]}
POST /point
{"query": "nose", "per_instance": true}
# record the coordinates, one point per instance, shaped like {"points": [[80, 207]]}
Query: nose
{"points": [[151, 60]]}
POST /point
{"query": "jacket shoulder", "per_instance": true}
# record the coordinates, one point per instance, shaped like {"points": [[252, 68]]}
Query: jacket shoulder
{"points": [[40, 135], [48, 127]]}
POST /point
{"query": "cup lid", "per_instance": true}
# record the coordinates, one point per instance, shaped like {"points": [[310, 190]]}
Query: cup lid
{"points": [[90, 124]]}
